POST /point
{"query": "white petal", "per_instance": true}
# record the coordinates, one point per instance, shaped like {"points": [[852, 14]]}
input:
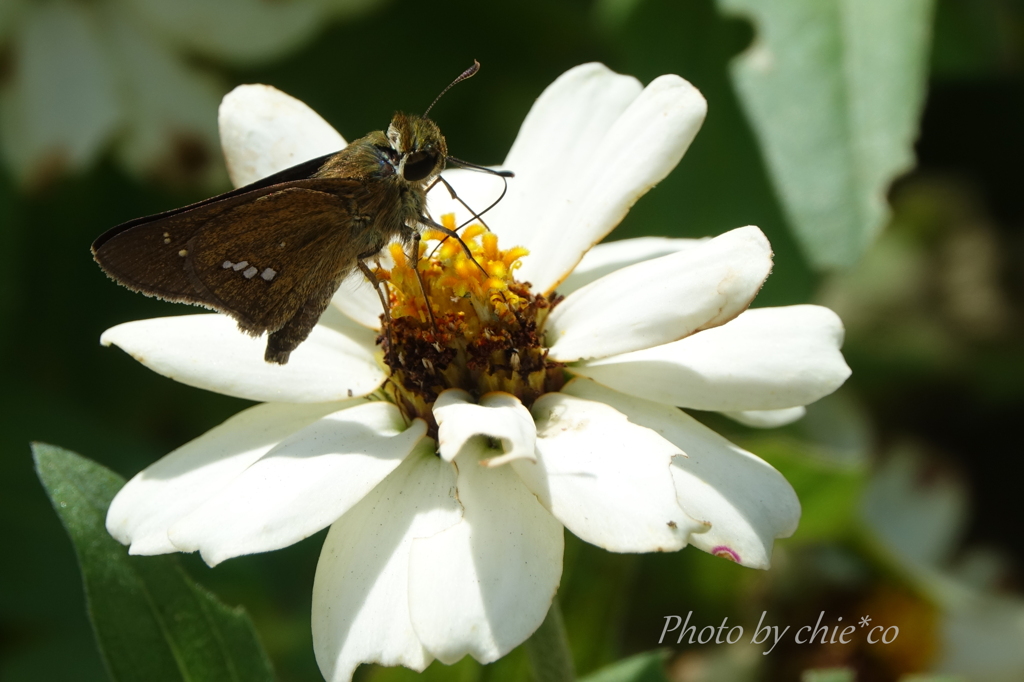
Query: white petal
{"points": [[765, 359], [981, 638], [559, 136], [167, 490], [571, 117], [592, 146], [357, 300], [768, 419], [606, 479], [170, 124], [361, 590], [208, 351], [263, 131], [484, 585], [611, 256], [61, 104], [746, 501], [464, 426], [239, 31], [301, 486], [477, 190], [661, 300], [563, 130]]}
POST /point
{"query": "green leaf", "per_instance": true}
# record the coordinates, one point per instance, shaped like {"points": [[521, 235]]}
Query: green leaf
{"points": [[834, 90], [830, 490], [614, 13], [152, 622], [646, 667], [829, 675]]}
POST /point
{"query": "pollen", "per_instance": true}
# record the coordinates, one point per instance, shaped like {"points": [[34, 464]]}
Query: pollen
{"points": [[460, 319]]}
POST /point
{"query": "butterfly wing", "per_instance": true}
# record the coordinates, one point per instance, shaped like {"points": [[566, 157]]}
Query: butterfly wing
{"points": [[303, 171], [265, 257]]}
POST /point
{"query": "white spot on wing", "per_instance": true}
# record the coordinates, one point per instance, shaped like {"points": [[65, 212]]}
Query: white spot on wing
{"points": [[183, 253], [227, 264], [250, 273], [269, 274], [239, 266]]}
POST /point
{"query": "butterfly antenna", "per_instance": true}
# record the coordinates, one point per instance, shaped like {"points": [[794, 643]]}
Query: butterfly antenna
{"points": [[480, 169], [476, 216], [468, 73]]}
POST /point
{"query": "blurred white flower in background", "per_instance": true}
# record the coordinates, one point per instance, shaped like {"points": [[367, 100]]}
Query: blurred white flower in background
{"points": [[76, 77], [917, 513]]}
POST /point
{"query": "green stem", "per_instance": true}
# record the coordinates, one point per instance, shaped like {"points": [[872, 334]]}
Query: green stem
{"points": [[548, 649]]}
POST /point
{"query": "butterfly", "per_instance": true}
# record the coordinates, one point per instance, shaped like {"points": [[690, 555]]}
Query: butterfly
{"points": [[271, 254]]}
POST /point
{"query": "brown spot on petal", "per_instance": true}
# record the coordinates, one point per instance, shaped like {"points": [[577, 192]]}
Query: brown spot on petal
{"points": [[726, 553]]}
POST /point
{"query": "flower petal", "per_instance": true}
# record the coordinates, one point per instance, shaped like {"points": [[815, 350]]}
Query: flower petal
{"points": [[477, 190], [208, 351], [563, 130], [171, 131], [464, 426], [60, 105], [167, 490], [981, 635], [661, 300], [606, 479], [357, 300], [768, 419], [263, 131], [571, 116], [611, 256], [302, 485], [592, 145], [484, 585], [746, 501], [238, 31], [361, 589], [765, 359]]}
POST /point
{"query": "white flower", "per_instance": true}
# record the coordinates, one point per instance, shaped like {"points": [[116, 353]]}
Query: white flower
{"points": [[85, 74], [916, 514], [441, 556]]}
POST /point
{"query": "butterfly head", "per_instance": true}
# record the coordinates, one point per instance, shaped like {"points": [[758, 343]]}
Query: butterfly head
{"points": [[420, 146]]}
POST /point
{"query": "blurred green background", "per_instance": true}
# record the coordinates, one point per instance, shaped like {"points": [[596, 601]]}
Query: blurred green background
{"points": [[933, 313]]}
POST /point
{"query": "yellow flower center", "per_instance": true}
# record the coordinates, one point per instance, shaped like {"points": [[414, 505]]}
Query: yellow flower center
{"points": [[463, 322]]}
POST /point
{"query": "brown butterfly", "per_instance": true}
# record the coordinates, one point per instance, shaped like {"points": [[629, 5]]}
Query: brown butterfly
{"points": [[272, 254]]}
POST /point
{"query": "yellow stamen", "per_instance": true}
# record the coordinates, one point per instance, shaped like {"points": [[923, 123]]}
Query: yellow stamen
{"points": [[482, 331]]}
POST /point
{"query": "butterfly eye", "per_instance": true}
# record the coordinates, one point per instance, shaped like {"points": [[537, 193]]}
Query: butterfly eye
{"points": [[419, 165]]}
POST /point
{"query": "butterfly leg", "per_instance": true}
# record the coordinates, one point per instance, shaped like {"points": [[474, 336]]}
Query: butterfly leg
{"points": [[378, 286], [426, 220], [455, 235], [416, 268]]}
